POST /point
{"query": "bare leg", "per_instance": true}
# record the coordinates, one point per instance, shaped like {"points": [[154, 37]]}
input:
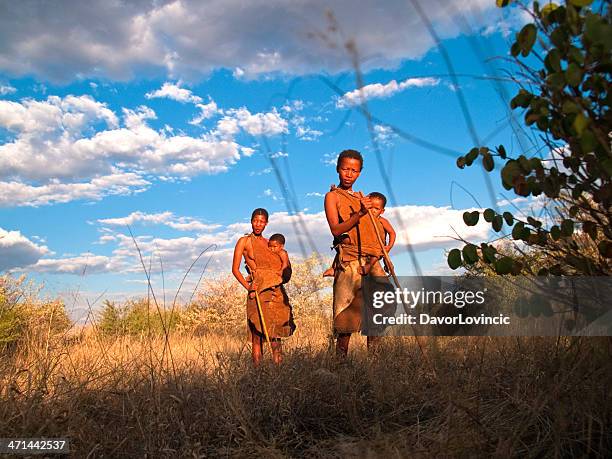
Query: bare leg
{"points": [[277, 352], [256, 349], [342, 344]]}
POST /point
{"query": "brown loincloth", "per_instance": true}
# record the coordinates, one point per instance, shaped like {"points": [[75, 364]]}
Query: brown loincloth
{"points": [[348, 295], [277, 312]]}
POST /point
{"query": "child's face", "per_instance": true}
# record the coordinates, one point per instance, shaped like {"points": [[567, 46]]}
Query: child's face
{"points": [[275, 246], [377, 207], [348, 171]]}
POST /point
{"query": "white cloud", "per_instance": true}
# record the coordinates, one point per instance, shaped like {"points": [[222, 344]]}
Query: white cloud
{"points": [[6, 89], [428, 227], [17, 251], [270, 194], [315, 194], [307, 134], [206, 111], [59, 151], [15, 193], [258, 124], [384, 134], [189, 38], [175, 92], [382, 91], [433, 227], [265, 171], [163, 218], [80, 265]]}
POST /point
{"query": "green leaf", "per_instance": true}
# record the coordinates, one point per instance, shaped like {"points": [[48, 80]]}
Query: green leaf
{"points": [[503, 265], [509, 172], [567, 227], [501, 151], [509, 218], [471, 218], [580, 2], [487, 162], [596, 30], [527, 38], [515, 49], [471, 156], [553, 61], [556, 80], [470, 255], [488, 253], [502, 3], [460, 162], [580, 123], [517, 267], [573, 75], [522, 99], [533, 222], [454, 259], [517, 231], [488, 215], [569, 107], [497, 223]]}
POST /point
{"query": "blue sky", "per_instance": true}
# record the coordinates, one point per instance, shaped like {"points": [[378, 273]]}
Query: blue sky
{"points": [[171, 117]]}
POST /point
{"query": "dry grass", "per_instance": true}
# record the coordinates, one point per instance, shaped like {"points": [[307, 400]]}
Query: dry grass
{"points": [[199, 396]]}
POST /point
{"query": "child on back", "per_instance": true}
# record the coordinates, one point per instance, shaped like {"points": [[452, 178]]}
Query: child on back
{"points": [[379, 201], [276, 244]]}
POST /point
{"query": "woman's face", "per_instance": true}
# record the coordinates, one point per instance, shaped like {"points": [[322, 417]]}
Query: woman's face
{"points": [[348, 171], [258, 223]]}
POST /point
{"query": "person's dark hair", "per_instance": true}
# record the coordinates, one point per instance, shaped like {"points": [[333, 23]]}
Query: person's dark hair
{"points": [[377, 195], [259, 211], [353, 154], [278, 238]]}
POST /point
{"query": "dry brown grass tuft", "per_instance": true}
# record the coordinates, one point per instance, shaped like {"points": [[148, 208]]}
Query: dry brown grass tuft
{"points": [[199, 396]]}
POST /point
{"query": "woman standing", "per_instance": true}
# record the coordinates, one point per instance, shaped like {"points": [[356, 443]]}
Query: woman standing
{"points": [[266, 270]]}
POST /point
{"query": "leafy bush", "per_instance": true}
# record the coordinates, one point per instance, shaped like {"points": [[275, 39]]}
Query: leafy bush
{"points": [[23, 313], [136, 317], [567, 99]]}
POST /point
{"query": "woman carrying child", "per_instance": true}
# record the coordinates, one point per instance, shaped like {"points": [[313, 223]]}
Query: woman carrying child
{"points": [[268, 269]]}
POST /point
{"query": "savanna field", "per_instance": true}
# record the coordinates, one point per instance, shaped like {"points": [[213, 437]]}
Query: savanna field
{"points": [[142, 381]]}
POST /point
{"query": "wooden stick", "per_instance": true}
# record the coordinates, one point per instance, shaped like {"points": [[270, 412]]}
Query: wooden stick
{"points": [[263, 322]]}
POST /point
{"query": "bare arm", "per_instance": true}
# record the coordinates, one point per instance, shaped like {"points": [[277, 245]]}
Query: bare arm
{"points": [[238, 251], [333, 220], [390, 231], [286, 268]]}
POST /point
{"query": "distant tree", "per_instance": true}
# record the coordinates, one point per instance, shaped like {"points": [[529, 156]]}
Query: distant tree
{"points": [[111, 320], [564, 65]]}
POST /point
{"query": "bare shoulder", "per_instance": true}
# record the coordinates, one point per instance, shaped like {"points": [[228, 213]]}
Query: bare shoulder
{"points": [[386, 223], [331, 197]]}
